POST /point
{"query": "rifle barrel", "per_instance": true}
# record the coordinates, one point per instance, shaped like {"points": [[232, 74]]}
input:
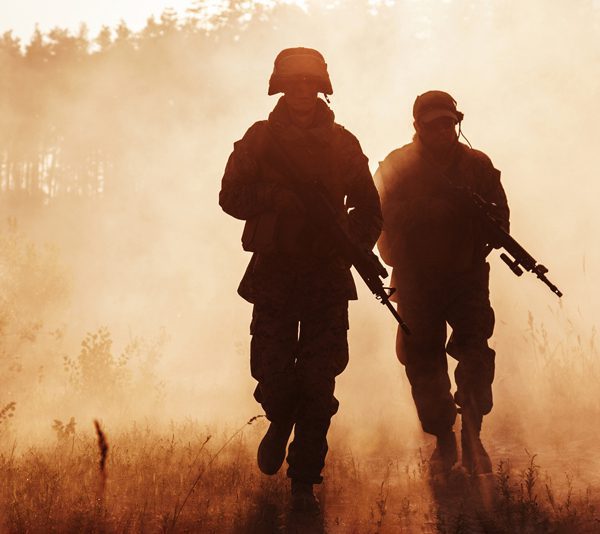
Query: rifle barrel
{"points": [[401, 322]]}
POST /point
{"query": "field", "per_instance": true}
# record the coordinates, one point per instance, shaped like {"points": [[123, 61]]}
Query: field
{"points": [[199, 475], [118, 271], [187, 480]]}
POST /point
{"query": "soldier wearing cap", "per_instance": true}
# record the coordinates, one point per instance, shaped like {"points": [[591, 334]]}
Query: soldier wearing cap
{"points": [[298, 285], [437, 252]]}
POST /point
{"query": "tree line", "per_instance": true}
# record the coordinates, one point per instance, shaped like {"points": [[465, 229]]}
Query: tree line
{"points": [[81, 115], [73, 108]]}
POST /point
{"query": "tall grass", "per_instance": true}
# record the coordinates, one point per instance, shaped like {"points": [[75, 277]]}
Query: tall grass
{"points": [[151, 483]]}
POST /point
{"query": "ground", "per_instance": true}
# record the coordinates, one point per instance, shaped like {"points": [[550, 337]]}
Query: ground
{"points": [[189, 479]]}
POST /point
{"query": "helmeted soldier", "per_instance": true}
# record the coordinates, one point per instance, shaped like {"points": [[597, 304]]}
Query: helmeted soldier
{"points": [[437, 251], [297, 283]]}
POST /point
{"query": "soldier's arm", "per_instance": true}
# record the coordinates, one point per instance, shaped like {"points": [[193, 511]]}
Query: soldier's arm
{"points": [[243, 195], [399, 211], [364, 215], [497, 195], [494, 192], [384, 244]]}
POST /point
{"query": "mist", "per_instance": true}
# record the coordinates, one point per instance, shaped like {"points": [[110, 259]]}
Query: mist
{"points": [[111, 155]]}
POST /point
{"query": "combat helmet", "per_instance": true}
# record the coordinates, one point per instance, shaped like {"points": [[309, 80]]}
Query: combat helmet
{"points": [[300, 61]]}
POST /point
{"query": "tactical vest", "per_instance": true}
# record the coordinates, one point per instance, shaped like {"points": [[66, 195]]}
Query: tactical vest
{"points": [[280, 233]]}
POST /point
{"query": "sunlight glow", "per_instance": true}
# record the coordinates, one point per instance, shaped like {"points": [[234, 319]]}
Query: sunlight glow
{"points": [[22, 18]]}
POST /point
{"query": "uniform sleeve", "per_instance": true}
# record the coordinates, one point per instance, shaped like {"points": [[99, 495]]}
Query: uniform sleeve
{"points": [[494, 192], [384, 245], [242, 193], [397, 209], [364, 208], [497, 195]]}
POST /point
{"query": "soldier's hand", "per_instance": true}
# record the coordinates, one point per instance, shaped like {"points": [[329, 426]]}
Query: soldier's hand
{"points": [[286, 201], [493, 242]]}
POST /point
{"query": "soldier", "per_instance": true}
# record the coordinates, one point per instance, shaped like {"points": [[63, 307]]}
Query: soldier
{"points": [[437, 251], [297, 283]]}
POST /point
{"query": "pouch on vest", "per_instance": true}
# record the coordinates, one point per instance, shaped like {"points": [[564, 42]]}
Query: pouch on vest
{"points": [[259, 233]]}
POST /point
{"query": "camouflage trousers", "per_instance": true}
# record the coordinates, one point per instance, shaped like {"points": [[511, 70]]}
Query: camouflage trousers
{"points": [[463, 303], [296, 353]]}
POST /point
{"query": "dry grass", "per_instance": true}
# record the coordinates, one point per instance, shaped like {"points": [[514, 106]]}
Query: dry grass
{"points": [[187, 480]]}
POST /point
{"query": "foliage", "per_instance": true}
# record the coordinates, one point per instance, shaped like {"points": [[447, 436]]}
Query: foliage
{"points": [[33, 287], [34, 291], [7, 412], [96, 370], [54, 143], [64, 431], [78, 112], [98, 375]]}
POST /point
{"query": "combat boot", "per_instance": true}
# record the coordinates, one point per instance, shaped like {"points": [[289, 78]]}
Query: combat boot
{"points": [[475, 458], [273, 446], [303, 498], [444, 455]]}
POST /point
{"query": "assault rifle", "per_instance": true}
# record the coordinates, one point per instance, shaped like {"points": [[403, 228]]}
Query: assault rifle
{"points": [[516, 257], [323, 217]]}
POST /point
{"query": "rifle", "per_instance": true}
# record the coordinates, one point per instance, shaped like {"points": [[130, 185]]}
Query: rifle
{"points": [[516, 257], [322, 215]]}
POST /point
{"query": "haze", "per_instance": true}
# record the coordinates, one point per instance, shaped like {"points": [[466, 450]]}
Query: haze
{"points": [[130, 149]]}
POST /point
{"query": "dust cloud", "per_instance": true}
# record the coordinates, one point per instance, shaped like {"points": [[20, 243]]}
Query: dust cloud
{"points": [[132, 141]]}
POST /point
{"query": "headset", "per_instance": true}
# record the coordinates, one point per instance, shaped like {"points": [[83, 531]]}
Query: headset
{"points": [[460, 116]]}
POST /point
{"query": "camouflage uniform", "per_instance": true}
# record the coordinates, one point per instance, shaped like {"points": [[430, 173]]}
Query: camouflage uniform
{"points": [[300, 288], [438, 256]]}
